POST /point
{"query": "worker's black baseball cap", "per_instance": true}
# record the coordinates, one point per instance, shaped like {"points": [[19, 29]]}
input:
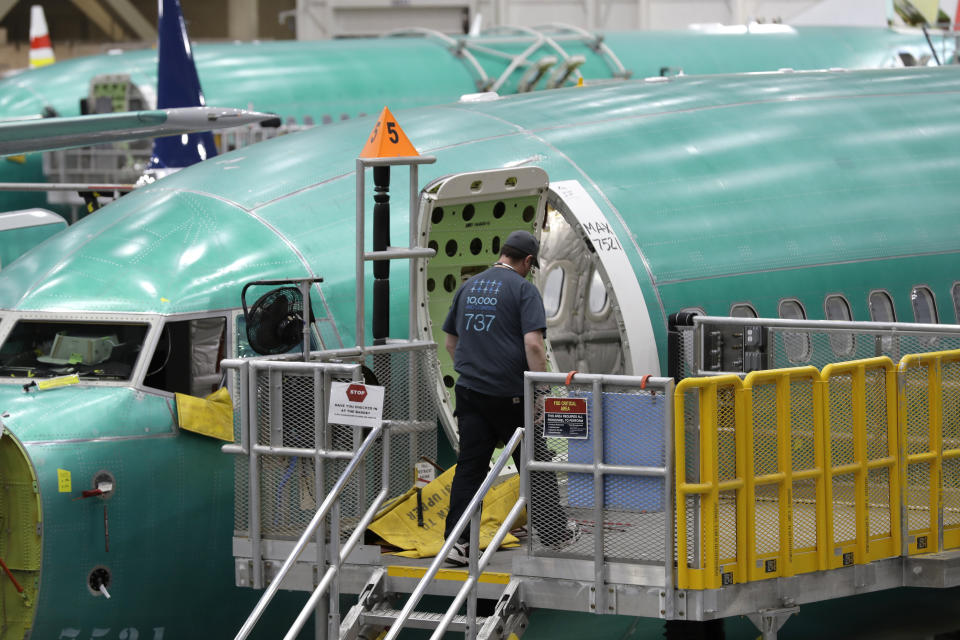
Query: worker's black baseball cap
{"points": [[524, 242]]}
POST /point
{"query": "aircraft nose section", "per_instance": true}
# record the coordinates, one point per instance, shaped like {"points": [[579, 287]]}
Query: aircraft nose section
{"points": [[21, 546]]}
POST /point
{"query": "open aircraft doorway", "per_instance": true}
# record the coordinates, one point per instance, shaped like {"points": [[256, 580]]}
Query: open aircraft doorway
{"points": [[597, 320]]}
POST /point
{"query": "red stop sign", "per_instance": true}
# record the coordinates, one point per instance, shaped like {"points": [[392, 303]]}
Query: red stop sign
{"points": [[356, 393]]}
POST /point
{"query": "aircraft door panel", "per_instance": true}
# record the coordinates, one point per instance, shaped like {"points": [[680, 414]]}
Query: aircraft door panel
{"points": [[465, 217]]}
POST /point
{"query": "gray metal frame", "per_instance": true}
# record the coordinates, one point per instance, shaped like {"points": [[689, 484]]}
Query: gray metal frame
{"points": [[598, 469], [414, 253], [879, 329], [549, 36], [337, 556], [248, 370]]}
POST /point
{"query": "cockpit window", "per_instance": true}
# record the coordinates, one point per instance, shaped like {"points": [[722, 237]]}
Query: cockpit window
{"points": [[94, 351]]}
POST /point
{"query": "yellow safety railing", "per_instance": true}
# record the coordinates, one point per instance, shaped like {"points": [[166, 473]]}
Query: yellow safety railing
{"points": [[784, 479], [929, 418], [713, 479], [862, 487], [788, 471]]}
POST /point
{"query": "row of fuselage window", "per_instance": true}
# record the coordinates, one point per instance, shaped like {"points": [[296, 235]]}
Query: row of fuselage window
{"points": [[880, 303]]}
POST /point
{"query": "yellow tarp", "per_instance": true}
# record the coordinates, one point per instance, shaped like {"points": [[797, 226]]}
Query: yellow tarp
{"points": [[396, 524], [211, 416]]}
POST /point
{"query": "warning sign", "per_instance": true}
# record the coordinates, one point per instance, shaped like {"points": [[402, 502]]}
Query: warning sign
{"points": [[64, 481], [565, 418], [356, 404], [387, 139]]}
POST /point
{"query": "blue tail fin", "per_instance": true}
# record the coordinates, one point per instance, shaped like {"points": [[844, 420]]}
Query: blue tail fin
{"points": [[177, 86]]}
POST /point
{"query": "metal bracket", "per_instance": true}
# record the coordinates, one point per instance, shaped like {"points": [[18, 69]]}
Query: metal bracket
{"points": [[769, 621], [372, 596], [510, 615], [680, 604]]}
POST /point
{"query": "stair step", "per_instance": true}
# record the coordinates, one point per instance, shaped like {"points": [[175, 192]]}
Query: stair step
{"points": [[417, 619]]}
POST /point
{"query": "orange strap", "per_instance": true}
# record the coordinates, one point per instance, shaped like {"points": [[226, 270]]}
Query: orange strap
{"points": [[570, 377], [643, 382]]}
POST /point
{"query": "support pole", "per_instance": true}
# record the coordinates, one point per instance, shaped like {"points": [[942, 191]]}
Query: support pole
{"points": [[381, 240]]}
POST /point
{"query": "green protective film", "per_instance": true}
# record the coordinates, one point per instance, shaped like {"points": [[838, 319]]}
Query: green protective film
{"points": [[467, 238], [21, 541]]}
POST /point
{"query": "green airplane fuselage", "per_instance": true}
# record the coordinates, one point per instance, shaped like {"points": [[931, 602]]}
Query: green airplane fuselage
{"points": [[717, 190], [334, 80]]}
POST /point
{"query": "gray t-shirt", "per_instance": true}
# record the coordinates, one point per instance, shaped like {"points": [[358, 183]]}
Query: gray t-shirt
{"points": [[490, 314]]}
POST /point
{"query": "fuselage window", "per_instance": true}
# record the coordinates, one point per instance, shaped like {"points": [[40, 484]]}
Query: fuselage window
{"points": [[837, 308], [187, 357], [881, 307], [743, 310], [956, 301], [93, 350], [553, 291], [597, 297], [797, 345], [924, 305]]}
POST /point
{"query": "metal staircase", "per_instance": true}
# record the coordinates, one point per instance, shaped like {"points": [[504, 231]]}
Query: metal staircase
{"points": [[374, 607]]}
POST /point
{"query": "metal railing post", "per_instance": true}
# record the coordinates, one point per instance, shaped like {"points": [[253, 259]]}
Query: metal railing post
{"points": [[600, 591]]}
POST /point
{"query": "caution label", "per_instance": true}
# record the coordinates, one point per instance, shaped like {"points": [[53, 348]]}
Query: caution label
{"points": [[360, 405], [64, 481], [387, 139], [565, 418]]}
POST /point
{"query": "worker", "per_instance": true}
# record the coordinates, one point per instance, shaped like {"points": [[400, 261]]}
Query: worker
{"points": [[494, 332]]}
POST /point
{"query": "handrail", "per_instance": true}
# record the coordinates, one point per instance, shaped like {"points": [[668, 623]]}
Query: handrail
{"points": [[311, 529], [813, 325], [471, 512], [471, 581], [457, 48], [355, 537]]}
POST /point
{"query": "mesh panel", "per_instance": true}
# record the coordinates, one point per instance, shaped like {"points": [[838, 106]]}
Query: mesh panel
{"points": [[632, 512], [804, 514], [765, 429], [241, 465], [841, 424], [767, 519], [692, 518], [918, 497], [844, 509], [951, 492], [875, 382], [726, 434], [727, 514], [290, 411], [918, 411], [802, 428], [878, 502], [950, 390]]}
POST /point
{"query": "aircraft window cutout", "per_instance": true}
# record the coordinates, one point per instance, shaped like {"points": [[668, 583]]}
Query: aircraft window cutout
{"points": [[105, 351], [553, 291], [836, 307], [796, 344], [955, 293], [743, 310], [597, 295], [187, 357], [924, 305], [881, 307]]}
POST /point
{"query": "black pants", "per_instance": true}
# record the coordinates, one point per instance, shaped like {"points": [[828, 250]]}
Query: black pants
{"points": [[483, 423]]}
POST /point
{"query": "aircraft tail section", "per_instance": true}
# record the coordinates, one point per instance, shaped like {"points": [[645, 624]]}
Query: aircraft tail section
{"points": [[178, 85], [41, 50]]}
